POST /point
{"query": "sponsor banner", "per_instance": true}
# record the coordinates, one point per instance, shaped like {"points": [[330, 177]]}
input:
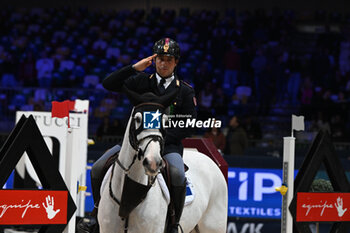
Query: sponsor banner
{"points": [[33, 207], [237, 225], [252, 193], [252, 226], [54, 131], [323, 207]]}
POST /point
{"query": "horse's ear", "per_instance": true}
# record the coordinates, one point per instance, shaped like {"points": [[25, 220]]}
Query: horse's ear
{"points": [[134, 97], [168, 98]]}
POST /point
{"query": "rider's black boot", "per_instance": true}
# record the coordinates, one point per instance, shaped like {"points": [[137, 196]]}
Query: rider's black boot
{"points": [[90, 224], [178, 195]]}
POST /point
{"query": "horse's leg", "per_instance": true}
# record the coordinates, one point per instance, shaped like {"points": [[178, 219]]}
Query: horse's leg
{"points": [[214, 220], [108, 221], [209, 208]]}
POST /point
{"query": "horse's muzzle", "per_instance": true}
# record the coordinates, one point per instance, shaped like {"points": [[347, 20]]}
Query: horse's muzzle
{"points": [[152, 167]]}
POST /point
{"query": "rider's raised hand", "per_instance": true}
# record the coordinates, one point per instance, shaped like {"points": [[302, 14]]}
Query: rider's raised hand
{"points": [[144, 63]]}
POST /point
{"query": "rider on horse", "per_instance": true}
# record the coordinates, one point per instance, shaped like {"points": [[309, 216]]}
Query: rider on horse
{"points": [[166, 55]]}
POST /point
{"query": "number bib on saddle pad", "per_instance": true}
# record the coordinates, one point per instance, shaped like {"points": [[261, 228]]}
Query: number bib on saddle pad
{"points": [[189, 192]]}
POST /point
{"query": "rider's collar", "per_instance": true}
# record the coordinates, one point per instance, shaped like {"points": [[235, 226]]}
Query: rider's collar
{"points": [[167, 80]]}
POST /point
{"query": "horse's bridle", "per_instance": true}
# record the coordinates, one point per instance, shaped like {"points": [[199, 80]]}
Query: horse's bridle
{"points": [[140, 153]]}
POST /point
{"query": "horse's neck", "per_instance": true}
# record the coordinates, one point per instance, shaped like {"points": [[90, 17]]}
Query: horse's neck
{"points": [[126, 156]]}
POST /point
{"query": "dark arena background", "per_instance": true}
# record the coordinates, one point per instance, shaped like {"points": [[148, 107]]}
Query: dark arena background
{"points": [[251, 63]]}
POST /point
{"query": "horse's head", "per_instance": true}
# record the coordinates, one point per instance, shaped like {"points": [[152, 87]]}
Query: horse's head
{"points": [[146, 132]]}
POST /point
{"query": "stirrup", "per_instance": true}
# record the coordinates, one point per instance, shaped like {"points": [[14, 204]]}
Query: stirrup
{"points": [[177, 226]]}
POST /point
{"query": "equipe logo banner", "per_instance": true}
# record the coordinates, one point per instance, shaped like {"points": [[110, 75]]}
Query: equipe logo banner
{"points": [[323, 207], [33, 207]]}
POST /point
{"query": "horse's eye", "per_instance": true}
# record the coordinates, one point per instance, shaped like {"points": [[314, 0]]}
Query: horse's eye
{"points": [[138, 118]]}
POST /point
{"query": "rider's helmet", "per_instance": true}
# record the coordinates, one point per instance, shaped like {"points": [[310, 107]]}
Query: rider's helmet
{"points": [[167, 46]]}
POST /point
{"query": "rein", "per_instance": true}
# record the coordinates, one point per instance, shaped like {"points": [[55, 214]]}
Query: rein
{"points": [[139, 153]]}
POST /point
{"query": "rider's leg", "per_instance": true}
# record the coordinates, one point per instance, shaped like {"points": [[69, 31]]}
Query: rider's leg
{"points": [[97, 175], [178, 186]]}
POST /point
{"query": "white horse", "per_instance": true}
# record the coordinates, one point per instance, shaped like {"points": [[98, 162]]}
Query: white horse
{"points": [[206, 214]]}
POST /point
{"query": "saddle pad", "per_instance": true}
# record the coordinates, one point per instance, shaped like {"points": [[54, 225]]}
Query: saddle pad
{"points": [[190, 194]]}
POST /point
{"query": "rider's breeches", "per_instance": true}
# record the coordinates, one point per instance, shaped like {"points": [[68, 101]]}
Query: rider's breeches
{"points": [[98, 173], [177, 171]]}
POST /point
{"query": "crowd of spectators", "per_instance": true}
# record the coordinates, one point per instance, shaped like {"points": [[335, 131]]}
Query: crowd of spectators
{"points": [[240, 63]]}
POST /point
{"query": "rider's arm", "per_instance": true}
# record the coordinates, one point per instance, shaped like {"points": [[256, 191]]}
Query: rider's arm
{"points": [[116, 80], [129, 76]]}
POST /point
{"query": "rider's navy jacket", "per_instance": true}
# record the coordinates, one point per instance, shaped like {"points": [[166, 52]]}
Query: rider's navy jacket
{"points": [[141, 82]]}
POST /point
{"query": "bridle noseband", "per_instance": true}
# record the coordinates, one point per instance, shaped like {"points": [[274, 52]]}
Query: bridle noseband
{"points": [[140, 153]]}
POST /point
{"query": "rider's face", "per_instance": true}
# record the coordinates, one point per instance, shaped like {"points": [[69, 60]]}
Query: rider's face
{"points": [[165, 65]]}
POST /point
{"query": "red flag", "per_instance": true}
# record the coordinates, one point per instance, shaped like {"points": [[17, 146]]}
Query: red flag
{"points": [[71, 105], [61, 109]]}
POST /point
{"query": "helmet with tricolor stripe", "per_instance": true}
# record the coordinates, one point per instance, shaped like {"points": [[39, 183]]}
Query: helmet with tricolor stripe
{"points": [[167, 46]]}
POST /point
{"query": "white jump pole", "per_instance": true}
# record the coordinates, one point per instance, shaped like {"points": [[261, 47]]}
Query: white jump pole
{"points": [[288, 174], [288, 180], [72, 173]]}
